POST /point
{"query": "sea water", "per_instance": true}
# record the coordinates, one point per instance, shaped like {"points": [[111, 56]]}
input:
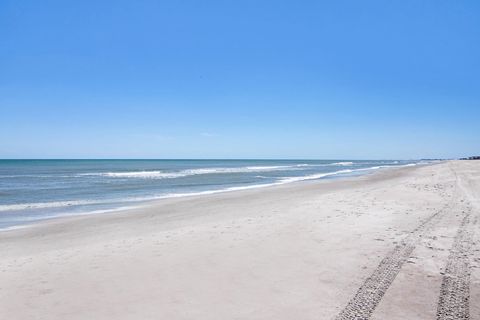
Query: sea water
{"points": [[32, 190]]}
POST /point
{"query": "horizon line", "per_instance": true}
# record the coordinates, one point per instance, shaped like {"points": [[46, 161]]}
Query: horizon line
{"points": [[233, 159]]}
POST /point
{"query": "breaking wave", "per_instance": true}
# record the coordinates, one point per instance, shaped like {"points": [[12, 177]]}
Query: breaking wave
{"points": [[158, 174]]}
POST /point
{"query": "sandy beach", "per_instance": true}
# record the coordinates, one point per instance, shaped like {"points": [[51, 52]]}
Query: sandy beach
{"points": [[401, 243]]}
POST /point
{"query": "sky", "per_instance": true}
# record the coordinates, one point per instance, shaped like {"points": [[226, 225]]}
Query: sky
{"points": [[240, 79]]}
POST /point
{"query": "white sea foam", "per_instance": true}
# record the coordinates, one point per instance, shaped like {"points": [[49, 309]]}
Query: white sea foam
{"points": [[158, 174], [345, 163], [339, 172], [141, 174], [313, 176], [60, 204], [43, 205]]}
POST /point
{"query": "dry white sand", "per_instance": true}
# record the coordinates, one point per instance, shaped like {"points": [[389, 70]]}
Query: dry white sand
{"points": [[398, 244]]}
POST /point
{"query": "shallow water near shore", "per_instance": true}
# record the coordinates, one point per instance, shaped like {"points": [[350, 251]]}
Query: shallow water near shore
{"points": [[32, 190]]}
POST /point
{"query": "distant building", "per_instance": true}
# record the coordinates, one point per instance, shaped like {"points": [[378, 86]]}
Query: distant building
{"points": [[471, 158]]}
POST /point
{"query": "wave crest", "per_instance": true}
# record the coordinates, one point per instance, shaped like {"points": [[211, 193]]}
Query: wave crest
{"points": [[158, 174]]}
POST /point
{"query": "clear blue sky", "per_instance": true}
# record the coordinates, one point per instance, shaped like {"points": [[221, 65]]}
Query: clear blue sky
{"points": [[239, 79]]}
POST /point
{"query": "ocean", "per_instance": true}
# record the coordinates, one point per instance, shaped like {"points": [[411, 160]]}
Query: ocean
{"points": [[33, 190]]}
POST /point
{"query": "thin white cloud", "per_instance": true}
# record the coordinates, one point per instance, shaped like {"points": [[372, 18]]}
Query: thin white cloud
{"points": [[207, 134]]}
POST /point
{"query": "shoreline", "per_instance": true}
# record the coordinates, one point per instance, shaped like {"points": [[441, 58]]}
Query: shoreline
{"points": [[302, 250], [325, 178]]}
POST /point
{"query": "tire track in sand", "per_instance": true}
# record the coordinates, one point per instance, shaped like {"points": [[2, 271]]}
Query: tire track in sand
{"points": [[453, 302], [366, 299], [368, 296]]}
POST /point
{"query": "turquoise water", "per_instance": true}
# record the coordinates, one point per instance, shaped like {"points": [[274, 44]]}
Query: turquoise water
{"points": [[32, 190]]}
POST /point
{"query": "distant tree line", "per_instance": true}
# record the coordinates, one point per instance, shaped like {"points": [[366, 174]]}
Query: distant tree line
{"points": [[471, 158]]}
